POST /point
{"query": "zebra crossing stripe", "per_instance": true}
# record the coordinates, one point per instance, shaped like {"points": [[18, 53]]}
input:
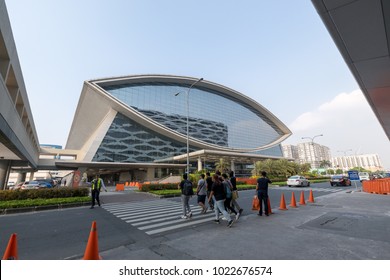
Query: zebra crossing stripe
{"points": [[182, 225], [157, 216], [175, 221]]}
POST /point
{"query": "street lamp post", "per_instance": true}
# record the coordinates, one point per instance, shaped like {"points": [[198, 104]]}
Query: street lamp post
{"points": [[312, 143], [188, 109]]}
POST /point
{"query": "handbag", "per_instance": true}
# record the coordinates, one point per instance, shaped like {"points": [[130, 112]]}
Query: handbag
{"points": [[255, 203], [235, 195]]}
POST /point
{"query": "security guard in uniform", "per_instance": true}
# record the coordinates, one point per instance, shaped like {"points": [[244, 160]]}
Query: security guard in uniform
{"points": [[96, 186]]}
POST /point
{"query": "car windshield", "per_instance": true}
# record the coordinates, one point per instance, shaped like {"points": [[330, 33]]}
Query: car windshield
{"points": [[294, 177], [337, 177]]}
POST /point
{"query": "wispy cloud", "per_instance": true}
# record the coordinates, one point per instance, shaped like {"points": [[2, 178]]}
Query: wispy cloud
{"points": [[347, 122], [345, 107]]}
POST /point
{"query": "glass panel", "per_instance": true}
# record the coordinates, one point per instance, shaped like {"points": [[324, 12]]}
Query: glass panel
{"points": [[213, 118]]}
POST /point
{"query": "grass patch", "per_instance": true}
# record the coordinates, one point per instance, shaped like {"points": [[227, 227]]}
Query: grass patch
{"points": [[41, 202]]}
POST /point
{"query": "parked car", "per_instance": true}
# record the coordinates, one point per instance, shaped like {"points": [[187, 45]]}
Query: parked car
{"points": [[16, 187], [363, 176], [44, 184], [340, 180], [28, 185], [298, 180]]}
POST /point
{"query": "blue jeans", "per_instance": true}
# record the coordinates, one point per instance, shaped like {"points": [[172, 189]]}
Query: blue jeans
{"points": [[220, 207]]}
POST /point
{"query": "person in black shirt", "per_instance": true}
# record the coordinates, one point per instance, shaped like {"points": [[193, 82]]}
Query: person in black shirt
{"points": [[209, 182], [234, 200], [262, 193]]}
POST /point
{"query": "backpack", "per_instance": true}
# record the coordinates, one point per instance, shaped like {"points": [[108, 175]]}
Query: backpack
{"points": [[228, 191], [187, 188]]}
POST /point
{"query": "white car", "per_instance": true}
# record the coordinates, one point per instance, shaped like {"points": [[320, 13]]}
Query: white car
{"points": [[298, 181], [28, 185]]}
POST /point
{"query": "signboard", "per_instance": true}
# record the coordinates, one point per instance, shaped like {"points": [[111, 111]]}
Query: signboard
{"points": [[353, 175]]}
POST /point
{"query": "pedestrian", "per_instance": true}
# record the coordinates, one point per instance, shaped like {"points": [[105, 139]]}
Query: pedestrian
{"points": [[96, 186], [209, 183], [262, 193], [201, 192], [186, 193], [218, 193], [235, 204], [228, 191]]}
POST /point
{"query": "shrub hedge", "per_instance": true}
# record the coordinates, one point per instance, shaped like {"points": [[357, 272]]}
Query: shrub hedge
{"points": [[155, 187], [43, 193]]}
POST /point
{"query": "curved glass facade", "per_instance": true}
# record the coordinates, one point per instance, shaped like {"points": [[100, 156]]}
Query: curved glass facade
{"points": [[214, 118], [127, 141]]}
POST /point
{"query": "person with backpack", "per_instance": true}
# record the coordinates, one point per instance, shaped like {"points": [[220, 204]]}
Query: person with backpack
{"points": [[218, 192], [186, 193], [201, 192], [229, 191]]}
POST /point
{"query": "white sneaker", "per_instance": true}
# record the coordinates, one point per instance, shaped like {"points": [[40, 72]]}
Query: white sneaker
{"points": [[189, 215], [184, 217], [223, 218], [238, 216]]}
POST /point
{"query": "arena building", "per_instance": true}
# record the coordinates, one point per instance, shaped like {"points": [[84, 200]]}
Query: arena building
{"points": [[138, 124]]}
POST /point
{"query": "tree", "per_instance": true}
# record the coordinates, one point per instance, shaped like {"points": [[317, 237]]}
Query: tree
{"points": [[269, 166], [285, 167], [222, 165], [325, 164], [305, 168]]}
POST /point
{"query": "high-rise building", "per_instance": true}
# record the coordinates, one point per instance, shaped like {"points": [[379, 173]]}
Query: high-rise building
{"points": [[291, 152], [307, 152], [370, 162]]}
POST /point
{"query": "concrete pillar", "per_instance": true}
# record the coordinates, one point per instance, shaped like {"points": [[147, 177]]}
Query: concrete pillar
{"points": [[200, 167], [31, 175], [21, 177], [150, 174], [5, 168]]}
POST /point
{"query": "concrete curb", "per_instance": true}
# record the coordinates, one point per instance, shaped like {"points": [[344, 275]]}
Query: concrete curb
{"points": [[8, 211]]}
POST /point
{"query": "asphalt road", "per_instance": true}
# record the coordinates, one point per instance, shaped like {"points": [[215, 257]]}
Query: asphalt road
{"points": [[63, 234]]}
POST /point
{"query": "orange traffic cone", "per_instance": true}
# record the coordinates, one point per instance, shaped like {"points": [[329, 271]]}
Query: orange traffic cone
{"points": [[11, 253], [293, 202], [311, 197], [282, 203], [269, 207], [302, 200], [92, 249]]}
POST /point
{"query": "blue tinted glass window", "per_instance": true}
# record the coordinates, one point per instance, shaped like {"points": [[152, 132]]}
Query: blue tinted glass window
{"points": [[213, 118]]}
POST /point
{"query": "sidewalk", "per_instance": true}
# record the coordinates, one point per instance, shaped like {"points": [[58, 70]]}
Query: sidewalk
{"points": [[337, 226]]}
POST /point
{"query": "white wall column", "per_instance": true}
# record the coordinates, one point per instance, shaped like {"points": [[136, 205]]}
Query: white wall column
{"points": [[200, 166]]}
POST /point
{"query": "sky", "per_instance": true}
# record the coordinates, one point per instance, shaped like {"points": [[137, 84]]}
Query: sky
{"points": [[279, 53]]}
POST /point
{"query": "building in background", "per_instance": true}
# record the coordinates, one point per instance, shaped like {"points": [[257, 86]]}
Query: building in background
{"points": [[139, 124], [307, 152], [290, 152], [370, 162]]}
